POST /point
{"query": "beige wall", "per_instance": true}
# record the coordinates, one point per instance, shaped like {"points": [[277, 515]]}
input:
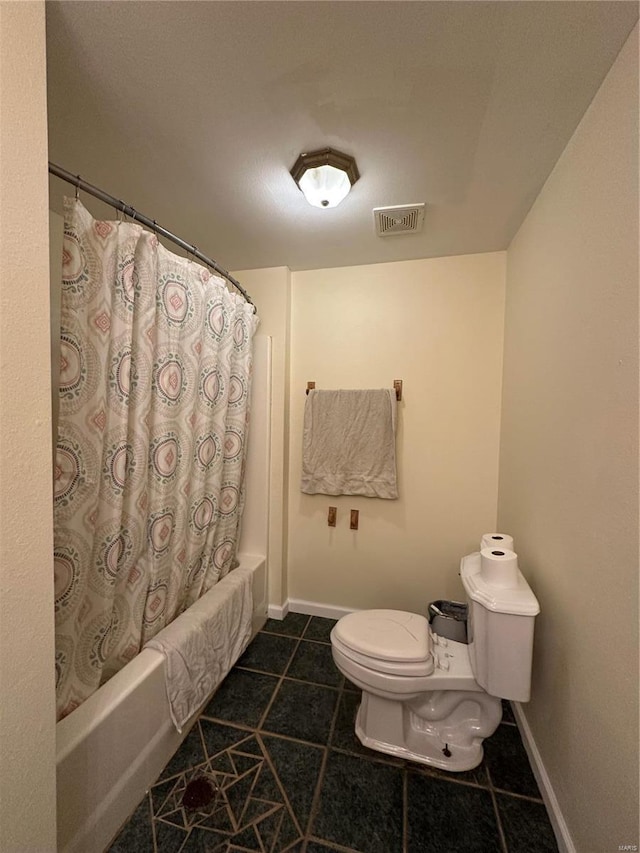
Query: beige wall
{"points": [[270, 290], [27, 706], [569, 461], [437, 325]]}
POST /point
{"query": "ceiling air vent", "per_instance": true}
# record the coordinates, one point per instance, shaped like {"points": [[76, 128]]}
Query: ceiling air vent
{"points": [[401, 219]]}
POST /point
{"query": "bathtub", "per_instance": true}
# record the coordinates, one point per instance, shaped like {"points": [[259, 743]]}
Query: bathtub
{"points": [[113, 747]]}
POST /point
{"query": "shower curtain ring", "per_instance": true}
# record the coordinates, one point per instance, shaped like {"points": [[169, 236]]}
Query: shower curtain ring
{"points": [[78, 188]]}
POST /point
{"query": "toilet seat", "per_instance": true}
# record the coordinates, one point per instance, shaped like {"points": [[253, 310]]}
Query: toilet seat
{"points": [[387, 641]]}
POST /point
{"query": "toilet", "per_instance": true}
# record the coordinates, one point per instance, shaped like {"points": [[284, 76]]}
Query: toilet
{"points": [[430, 699]]}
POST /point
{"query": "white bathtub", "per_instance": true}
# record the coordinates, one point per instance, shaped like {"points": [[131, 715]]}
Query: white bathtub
{"points": [[111, 748]]}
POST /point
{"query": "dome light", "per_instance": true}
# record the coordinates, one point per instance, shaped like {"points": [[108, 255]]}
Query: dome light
{"points": [[325, 177]]}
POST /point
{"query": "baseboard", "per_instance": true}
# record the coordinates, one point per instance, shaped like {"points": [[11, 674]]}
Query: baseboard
{"points": [[565, 844], [309, 608], [278, 611], [312, 608]]}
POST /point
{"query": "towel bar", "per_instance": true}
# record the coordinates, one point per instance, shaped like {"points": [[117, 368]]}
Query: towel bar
{"points": [[397, 385]]}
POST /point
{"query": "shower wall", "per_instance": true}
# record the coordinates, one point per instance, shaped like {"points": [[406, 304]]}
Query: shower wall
{"points": [[270, 289], [254, 531]]}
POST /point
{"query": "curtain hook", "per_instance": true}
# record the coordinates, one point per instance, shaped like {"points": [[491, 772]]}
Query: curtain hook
{"points": [[77, 188]]}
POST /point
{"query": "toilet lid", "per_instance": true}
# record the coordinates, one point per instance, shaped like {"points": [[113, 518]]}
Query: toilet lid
{"points": [[392, 635]]}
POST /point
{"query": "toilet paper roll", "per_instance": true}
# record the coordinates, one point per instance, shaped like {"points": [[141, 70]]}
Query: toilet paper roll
{"points": [[499, 540], [499, 567]]}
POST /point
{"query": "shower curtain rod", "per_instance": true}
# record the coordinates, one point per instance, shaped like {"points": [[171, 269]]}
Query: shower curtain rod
{"points": [[77, 181]]}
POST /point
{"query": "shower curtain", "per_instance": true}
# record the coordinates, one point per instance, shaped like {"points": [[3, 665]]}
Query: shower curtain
{"points": [[155, 371]]}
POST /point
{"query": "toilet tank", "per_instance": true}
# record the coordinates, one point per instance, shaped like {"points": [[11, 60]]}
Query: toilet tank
{"points": [[500, 632]]}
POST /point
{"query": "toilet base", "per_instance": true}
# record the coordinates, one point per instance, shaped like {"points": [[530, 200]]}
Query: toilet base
{"points": [[443, 729]]}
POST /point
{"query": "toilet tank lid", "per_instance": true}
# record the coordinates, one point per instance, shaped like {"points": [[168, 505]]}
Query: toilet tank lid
{"points": [[517, 601], [393, 635]]}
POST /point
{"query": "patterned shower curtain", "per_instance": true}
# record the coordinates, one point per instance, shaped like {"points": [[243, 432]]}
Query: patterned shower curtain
{"points": [[154, 386]]}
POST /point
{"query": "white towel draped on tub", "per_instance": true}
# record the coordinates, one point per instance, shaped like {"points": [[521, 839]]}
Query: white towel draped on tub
{"points": [[204, 642], [348, 444]]}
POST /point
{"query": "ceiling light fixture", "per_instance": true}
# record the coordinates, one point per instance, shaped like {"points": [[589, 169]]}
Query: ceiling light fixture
{"points": [[325, 176]]}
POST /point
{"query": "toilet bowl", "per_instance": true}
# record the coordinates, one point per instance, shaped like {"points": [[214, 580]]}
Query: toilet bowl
{"points": [[430, 699]]}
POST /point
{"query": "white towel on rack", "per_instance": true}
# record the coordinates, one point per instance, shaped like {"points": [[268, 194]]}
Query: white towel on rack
{"points": [[348, 444]]}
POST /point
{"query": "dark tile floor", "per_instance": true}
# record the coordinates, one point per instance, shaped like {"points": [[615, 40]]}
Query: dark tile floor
{"points": [[279, 768]]}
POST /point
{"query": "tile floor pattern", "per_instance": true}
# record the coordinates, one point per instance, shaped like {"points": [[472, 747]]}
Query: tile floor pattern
{"points": [[273, 765]]}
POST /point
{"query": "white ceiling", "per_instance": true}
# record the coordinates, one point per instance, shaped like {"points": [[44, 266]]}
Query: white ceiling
{"points": [[194, 112]]}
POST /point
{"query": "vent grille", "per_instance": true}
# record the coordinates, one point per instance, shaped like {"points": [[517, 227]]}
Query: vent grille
{"points": [[402, 219]]}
